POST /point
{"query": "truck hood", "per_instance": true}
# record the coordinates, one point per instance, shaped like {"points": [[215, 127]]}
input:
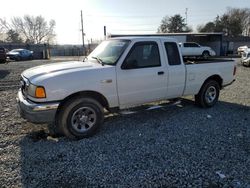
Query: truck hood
{"points": [[60, 68]]}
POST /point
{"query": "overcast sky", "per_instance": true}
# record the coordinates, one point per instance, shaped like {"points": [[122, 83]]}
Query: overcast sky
{"points": [[120, 16]]}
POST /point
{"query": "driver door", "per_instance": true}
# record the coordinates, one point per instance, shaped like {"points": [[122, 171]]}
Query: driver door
{"points": [[142, 77]]}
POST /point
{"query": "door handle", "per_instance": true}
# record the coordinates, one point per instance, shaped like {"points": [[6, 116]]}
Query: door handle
{"points": [[161, 73]]}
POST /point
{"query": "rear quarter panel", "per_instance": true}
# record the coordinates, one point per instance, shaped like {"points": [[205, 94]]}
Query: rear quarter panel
{"points": [[197, 74]]}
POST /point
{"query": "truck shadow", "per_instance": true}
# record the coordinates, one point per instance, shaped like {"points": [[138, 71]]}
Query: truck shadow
{"points": [[137, 148]]}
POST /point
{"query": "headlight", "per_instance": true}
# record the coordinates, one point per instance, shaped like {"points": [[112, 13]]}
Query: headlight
{"points": [[36, 91]]}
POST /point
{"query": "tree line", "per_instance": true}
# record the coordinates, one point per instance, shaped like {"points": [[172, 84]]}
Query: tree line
{"points": [[234, 22], [36, 29], [28, 29]]}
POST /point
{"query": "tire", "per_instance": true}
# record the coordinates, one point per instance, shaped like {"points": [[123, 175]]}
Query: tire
{"points": [[208, 94], [205, 54], [54, 130], [80, 117], [247, 64], [18, 58]]}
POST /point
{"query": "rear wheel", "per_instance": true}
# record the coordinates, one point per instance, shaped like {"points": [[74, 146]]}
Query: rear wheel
{"points": [[205, 54], [80, 117], [208, 94]]}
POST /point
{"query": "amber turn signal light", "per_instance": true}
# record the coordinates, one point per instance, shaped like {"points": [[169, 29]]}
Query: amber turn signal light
{"points": [[40, 92]]}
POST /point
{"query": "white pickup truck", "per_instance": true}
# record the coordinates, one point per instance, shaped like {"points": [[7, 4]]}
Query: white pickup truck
{"points": [[119, 73], [192, 49]]}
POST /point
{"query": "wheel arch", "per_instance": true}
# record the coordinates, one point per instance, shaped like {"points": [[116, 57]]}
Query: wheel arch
{"points": [[204, 51], [199, 97], [216, 78], [90, 94]]}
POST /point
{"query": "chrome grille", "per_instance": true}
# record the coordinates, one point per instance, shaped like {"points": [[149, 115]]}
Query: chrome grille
{"points": [[24, 86]]}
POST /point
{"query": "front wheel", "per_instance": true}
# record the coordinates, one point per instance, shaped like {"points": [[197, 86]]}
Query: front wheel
{"points": [[208, 94], [18, 58], [80, 117]]}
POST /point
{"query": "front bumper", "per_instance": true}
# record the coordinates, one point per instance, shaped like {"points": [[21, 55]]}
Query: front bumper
{"points": [[36, 112], [11, 57]]}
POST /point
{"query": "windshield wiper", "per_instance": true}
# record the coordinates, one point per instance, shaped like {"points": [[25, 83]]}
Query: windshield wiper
{"points": [[99, 60]]}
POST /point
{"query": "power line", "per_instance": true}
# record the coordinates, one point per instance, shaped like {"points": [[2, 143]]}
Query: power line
{"points": [[134, 30], [124, 16], [134, 24]]}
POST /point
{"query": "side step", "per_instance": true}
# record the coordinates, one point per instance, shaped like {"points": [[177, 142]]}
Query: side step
{"points": [[150, 106]]}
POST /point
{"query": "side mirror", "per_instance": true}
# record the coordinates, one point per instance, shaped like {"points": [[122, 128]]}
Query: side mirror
{"points": [[131, 64]]}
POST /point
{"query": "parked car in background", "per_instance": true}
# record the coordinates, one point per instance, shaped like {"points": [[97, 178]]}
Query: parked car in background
{"points": [[2, 55], [241, 49], [192, 49], [245, 57], [20, 54]]}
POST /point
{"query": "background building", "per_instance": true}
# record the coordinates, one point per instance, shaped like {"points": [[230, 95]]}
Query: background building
{"points": [[213, 40]]}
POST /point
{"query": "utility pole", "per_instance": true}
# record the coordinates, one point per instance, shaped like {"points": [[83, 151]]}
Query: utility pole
{"points": [[105, 33], [84, 51], [186, 13]]}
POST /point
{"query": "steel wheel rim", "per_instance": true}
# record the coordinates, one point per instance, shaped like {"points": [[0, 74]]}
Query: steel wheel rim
{"points": [[210, 94], [83, 119]]}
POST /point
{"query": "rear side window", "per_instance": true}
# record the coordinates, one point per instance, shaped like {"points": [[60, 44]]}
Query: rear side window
{"points": [[190, 45], [172, 53]]}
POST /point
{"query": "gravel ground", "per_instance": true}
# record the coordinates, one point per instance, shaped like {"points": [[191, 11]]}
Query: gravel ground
{"points": [[175, 146]]}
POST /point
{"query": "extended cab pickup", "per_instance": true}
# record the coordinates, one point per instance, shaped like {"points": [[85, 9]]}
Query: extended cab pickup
{"points": [[119, 73], [192, 49]]}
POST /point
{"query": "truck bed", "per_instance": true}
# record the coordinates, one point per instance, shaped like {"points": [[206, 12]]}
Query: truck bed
{"points": [[190, 61], [198, 70]]}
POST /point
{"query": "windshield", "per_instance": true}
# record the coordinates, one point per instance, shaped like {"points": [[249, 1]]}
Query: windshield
{"points": [[108, 52]]}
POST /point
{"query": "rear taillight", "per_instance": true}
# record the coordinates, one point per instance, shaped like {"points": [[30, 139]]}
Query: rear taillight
{"points": [[234, 70]]}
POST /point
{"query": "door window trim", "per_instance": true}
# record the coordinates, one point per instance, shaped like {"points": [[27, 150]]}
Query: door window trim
{"points": [[139, 44], [169, 55]]}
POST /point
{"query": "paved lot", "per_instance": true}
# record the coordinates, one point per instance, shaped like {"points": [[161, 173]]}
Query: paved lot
{"points": [[175, 146]]}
